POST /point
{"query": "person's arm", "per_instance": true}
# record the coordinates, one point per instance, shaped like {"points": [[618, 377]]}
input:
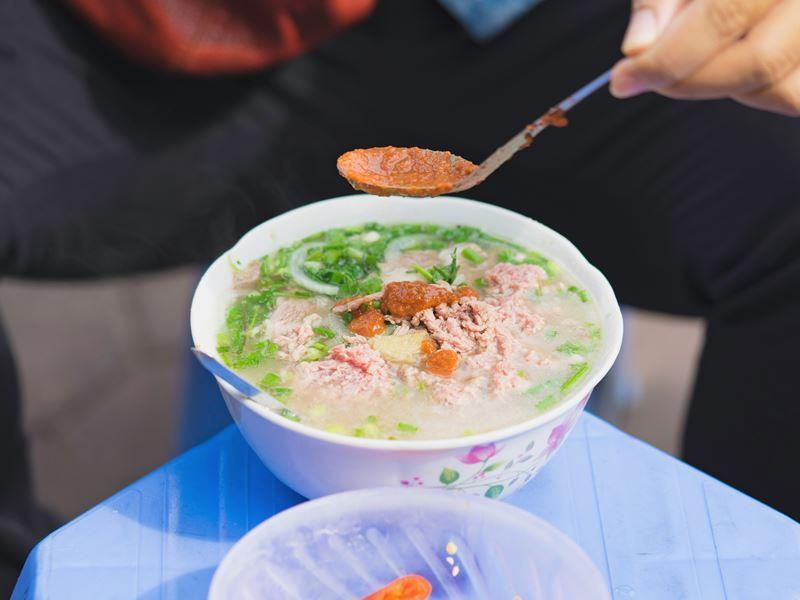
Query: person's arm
{"points": [[748, 50]]}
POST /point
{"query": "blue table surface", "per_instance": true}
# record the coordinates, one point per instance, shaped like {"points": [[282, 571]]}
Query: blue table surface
{"points": [[655, 527]]}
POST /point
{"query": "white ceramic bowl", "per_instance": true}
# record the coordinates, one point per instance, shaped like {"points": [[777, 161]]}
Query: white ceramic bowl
{"points": [[316, 463], [348, 545]]}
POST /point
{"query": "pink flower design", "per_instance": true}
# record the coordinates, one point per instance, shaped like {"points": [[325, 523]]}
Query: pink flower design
{"points": [[559, 432], [479, 454]]}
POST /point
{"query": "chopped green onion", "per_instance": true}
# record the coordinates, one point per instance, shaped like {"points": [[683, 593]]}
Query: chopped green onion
{"points": [[407, 427], [521, 373], [371, 428], [550, 334], [425, 273], [270, 380], [279, 392], [315, 353], [319, 346], [471, 256], [480, 282], [578, 371], [347, 317], [324, 332], [547, 402], [571, 348], [372, 419], [581, 294], [334, 429]]}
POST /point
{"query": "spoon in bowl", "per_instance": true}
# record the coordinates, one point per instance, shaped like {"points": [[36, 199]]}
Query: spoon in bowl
{"points": [[391, 171], [241, 385]]}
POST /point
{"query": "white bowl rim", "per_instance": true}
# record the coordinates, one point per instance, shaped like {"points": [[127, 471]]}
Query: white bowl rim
{"points": [[427, 496], [613, 337]]}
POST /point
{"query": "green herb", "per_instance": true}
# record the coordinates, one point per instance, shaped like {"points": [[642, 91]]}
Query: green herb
{"points": [[372, 419], [324, 332], [547, 402], [438, 272], [270, 380], [358, 432], [334, 429], [571, 348], [347, 317], [372, 430], [448, 272], [279, 392], [593, 331], [425, 273], [581, 294], [285, 412], [545, 385], [480, 282], [472, 256], [550, 334], [521, 373], [407, 427], [316, 352], [578, 371]]}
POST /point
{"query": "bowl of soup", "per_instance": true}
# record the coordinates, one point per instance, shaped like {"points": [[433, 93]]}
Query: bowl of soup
{"points": [[447, 343]]}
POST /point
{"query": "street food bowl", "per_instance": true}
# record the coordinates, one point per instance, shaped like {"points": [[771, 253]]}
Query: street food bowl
{"points": [[350, 545], [316, 463]]}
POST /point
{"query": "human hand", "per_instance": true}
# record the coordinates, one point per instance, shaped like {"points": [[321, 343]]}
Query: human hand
{"points": [[748, 50]]}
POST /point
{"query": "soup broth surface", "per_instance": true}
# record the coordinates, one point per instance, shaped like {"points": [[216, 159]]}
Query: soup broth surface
{"points": [[410, 331]]}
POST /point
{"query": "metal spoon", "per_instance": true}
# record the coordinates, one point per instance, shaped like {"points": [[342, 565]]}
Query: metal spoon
{"points": [[215, 367], [393, 171]]}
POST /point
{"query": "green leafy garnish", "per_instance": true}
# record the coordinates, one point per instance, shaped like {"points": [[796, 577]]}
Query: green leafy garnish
{"points": [[583, 295], [472, 256], [324, 332], [550, 334], [480, 282], [438, 272], [571, 348], [578, 371], [407, 427], [547, 402]]}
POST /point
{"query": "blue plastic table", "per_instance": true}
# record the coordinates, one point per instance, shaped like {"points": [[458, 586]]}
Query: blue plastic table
{"points": [[656, 527]]}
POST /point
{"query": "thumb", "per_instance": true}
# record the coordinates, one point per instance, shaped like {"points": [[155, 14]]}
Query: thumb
{"points": [[649, 18]]}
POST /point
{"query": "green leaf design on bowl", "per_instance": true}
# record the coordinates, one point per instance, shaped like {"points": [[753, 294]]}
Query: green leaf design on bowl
{"points": [[448, 476], [494, 466], [494, 491]]}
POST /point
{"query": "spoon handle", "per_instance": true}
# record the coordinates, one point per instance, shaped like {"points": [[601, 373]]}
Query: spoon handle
{"points": [[590, 88], [215, 367], [524, 138]]}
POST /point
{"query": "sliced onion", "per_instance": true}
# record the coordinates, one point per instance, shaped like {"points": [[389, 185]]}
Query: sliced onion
{"points": [[399, 244], [303, 280]]}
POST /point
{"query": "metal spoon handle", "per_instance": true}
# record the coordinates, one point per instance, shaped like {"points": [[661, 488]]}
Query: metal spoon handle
{"points": [[590, 88], [215, 367], [524, 138]]}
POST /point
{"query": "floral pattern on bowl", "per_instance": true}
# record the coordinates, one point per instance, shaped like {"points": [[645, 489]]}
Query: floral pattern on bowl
{"points": [[495, 470]]}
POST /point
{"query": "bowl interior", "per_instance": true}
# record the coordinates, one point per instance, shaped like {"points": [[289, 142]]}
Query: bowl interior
{"points": [[349, 545], [213, 294]]}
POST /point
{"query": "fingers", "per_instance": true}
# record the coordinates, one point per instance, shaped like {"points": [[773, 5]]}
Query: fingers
{"points": [[649, 18], [698, 32], [769, 52], [782, 97]]}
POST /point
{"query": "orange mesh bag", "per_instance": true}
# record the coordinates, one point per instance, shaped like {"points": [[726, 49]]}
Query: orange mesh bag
{"points": [[206, 37]]}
